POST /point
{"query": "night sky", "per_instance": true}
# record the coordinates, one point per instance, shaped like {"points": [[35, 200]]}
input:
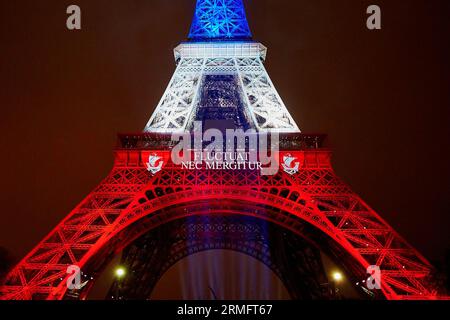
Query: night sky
{"points": [[382, 96]]}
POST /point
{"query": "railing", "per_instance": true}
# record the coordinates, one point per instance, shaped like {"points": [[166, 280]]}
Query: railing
{"points": [[159, 141]]}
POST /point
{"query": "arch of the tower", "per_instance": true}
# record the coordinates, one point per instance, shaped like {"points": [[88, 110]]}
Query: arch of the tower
{"points": [[294, 217], [278, 202], [293, 260]]}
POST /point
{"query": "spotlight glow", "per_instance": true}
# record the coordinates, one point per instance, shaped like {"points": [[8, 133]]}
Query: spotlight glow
{"points": [[337, 276], [120, 272]]}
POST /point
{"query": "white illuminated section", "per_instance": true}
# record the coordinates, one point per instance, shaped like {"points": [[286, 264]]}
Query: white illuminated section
{"points": [[220, 50], [174, 112]]}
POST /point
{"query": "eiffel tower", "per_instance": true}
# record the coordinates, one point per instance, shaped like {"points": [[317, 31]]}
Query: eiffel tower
{"points": [[156, 212]]}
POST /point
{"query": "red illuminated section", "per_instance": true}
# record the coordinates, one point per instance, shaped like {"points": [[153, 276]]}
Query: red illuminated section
{"points": [[132, 200]]}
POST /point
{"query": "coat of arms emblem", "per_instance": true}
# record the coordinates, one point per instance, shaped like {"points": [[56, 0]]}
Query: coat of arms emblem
{"points": [[289, 166], [154, 164]]}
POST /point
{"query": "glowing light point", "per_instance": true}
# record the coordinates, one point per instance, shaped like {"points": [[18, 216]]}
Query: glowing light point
{"points": [[120, 272], [337, 276]]}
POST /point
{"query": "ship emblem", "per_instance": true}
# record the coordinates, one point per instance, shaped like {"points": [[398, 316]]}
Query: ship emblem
{"points": [[289, 166], [151, 164]]}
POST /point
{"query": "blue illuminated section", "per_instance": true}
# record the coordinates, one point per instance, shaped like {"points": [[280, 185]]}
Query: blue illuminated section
{"points": [[220, 20]]}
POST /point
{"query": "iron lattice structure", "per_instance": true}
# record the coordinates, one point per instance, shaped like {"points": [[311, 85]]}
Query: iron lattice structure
{"points": [[296, 263], [179, 104], [219, 20], [311, 202], [131, 202]]}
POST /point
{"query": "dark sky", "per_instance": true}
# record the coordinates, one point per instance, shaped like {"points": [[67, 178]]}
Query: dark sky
{"points": [[383, 98]]}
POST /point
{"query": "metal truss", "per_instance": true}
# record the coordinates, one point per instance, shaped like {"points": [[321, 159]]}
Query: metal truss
{"points": [[149, 257], [177, 108], [131, 195], [219, 20]]}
